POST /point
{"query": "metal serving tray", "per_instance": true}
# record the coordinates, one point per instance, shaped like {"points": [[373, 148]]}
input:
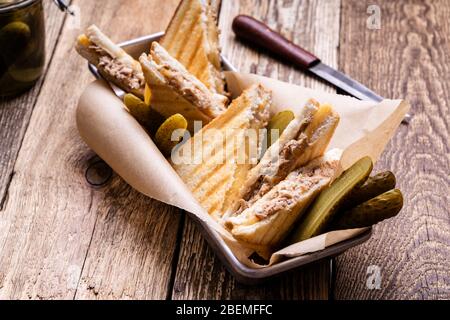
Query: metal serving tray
{"points": [[241, 272]]}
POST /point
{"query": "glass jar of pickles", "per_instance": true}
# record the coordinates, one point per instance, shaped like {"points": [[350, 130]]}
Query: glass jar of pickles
{"points": [[22, 45]]}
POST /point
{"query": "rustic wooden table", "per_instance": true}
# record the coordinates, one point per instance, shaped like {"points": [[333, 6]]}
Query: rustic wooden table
{"points": [[62, 238]]}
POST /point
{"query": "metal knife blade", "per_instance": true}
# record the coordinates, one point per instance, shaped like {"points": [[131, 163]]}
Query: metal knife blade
{"points": [[344, 82], [348, 85], [259, 34]]}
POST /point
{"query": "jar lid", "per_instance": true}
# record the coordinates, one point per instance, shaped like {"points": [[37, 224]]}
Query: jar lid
{"points": [[11, 5]]}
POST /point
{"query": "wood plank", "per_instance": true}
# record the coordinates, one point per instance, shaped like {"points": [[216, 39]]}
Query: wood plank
{"points": [[314, 25], [15, 113], [132, 247], [407, 58], [60, 238]]}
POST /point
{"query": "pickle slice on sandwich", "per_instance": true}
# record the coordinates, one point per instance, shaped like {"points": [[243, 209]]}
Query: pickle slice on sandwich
{"points": [[305, 138]]}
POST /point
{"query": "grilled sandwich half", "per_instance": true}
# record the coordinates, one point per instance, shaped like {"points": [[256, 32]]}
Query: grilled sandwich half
{"points": [[265, 224], [216, 161], [304, 139], [113, 63], [192, 38], [175, 90]]}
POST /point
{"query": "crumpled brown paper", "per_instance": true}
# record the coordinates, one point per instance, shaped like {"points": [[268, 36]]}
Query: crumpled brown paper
{"points": [[105, 125]]}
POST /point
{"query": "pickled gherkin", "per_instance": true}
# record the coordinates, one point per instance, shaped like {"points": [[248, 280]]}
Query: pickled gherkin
{"points": [[278, 122], [22, 45], [14, 38], [143, 112], [317, 218], [24, 74], [374, 186], [164, 137], [384, 206], [138, 109]]}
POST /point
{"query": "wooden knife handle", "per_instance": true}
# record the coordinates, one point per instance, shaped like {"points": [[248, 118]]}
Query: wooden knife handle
{"points": [[259, 34]]}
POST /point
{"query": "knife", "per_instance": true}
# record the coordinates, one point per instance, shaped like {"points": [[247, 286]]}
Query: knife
{"points": [[259, 34]]}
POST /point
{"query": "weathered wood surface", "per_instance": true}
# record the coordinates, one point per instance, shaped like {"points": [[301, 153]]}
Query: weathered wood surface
{"points": [[60, 238], [314, 25], [407, 58]]}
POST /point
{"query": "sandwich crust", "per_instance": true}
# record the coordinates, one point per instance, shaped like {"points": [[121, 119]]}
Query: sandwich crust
{"points": [[192, 38], [305, 138], [267, 222], [175, 90], [187, 84], [112, 62]]}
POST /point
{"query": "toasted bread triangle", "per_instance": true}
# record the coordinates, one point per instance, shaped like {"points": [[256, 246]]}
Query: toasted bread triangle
{"points": [[216, 161], [174, 90], [192, 38]]}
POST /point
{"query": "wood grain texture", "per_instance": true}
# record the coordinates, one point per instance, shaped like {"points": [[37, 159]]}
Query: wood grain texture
{"points": [[131, 250], [407, 58], [314, 25], [15, 113], [60, 238]]}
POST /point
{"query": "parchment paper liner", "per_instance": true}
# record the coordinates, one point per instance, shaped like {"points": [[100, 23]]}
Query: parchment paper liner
{"points": [[105, 125]]}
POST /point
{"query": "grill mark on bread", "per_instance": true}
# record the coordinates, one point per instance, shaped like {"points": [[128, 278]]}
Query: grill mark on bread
{"points": [[213, 207], [195, 69], [198, 168], [208, 176], [205, 75], [214, 188], [175, 24], [194, 52], [186, 39]]}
